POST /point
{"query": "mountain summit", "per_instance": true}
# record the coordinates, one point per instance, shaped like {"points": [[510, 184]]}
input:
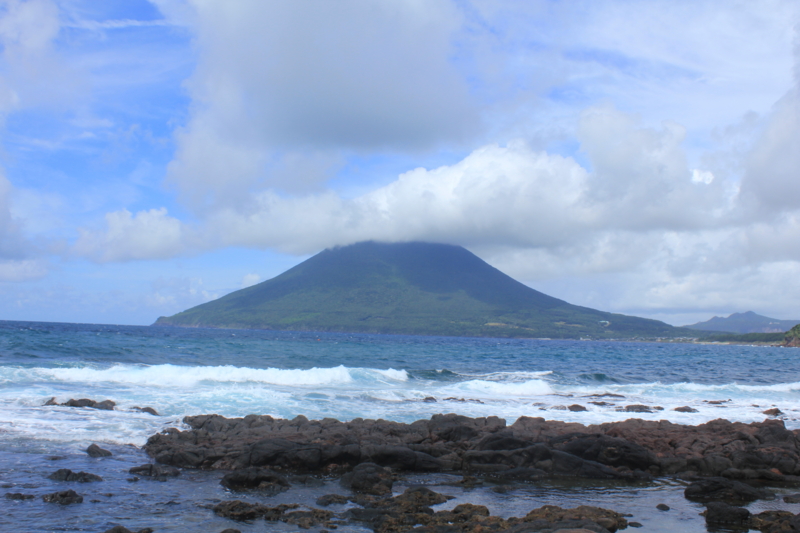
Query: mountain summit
{"points": [[747, 322], [411, 288]]}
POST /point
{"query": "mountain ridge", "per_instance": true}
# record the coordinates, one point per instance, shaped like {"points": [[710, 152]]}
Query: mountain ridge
{"points": [[747, 322], [409, 288]]}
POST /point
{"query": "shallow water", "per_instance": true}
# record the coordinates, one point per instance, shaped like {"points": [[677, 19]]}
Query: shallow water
{"points": [[181, 372]]}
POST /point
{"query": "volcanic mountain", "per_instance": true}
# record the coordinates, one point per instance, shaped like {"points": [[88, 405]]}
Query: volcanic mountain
{"points": [[411, 288]]}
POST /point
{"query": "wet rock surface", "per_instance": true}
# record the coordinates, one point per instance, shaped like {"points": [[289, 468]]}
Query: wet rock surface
{"points": [[633, 449], [723, 489], [65, 474], [19, 496], [106, 405], [157, 472], [122, 529], [96, 451], [63, 497], [412, 510], [263, 480]]}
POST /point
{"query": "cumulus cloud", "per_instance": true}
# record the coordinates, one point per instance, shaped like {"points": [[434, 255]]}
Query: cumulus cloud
{"points": [[151, 234], [314, 76], [33, 75], [19, 259], [498, 195]]}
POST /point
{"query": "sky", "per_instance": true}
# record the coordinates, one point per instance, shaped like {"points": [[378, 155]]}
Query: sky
{"points": [[640, 157]]}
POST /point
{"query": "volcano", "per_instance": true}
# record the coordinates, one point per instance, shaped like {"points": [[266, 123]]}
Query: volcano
{"points": [[413, 288]]}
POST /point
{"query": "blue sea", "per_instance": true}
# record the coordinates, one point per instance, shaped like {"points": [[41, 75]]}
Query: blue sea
{"points": [[181, 372]]}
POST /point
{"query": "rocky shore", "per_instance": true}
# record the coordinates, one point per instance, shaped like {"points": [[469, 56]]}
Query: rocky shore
{"points": [[364, 468], [725, 464], [531, 448]]}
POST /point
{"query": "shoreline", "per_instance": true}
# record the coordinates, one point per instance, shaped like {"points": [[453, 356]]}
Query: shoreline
{"points": [[724, 464], [446, 474]]}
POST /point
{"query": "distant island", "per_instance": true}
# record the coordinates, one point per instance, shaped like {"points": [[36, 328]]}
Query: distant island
{"points": [[748, 322], [411, 288]]}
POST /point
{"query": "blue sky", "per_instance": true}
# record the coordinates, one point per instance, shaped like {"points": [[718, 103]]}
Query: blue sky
{"points": [[637, 157]]}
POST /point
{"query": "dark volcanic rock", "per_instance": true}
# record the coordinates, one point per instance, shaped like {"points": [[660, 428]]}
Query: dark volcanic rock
{"points": [[241, 511], [631, 449], [261, 479], [636, 408], [19, 496], [722, 514], [723, 489], [607, 450], [369, 478], [96, 451], [158, 472], [775, 521], [64, 497], [148, 410], [331, 499], [106, 405], [65, 474]]}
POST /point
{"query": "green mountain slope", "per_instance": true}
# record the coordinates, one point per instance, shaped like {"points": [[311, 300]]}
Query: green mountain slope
{"points": [[409, 288], [748, 322]]}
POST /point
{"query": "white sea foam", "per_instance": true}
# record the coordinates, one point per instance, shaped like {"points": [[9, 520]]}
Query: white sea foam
{"points": [[344, 393], [480, 388], [189, 376]]}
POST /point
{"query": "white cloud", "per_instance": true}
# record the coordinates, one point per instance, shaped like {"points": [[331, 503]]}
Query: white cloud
{"points": [[151, 234], [250, 279], [34, 74], [314, 76]]}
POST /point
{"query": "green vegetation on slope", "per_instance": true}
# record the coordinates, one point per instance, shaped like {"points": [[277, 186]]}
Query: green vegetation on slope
{"points": [[745, 337], [409, 288], [792, 337]]}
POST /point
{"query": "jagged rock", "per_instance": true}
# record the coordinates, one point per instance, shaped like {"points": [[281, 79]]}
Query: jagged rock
{"points": [[775, 521], [105, 405], [157, 472], [722, 514], [63, 497], [723, 489], [253, 478], [369, 478], [65, 474], [331, 499], [773, 412], [240, 511], [122, 529], [552, 514], [19, 496], [96, 451], [632, 449], [636, 408], [148, 410]]}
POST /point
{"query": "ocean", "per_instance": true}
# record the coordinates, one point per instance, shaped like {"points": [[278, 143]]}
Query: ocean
{"points": [[181, 372]]}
